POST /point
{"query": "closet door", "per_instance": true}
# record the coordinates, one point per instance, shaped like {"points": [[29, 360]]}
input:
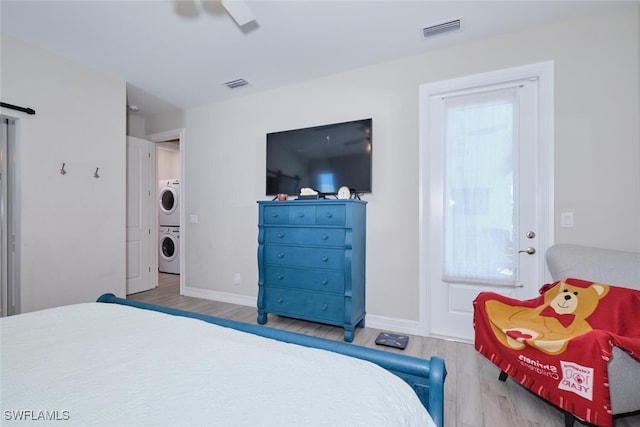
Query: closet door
{"points": [[141, 233]]}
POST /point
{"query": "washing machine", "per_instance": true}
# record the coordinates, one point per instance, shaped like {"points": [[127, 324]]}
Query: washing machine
{"points": [[169, 198], [169, 256]]}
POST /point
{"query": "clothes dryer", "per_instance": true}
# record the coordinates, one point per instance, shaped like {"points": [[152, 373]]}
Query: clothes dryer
{"points": [[169, 245], [169, 201]]}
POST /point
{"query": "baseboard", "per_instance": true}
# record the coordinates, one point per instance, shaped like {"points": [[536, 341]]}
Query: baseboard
{"points": [[377, 322], [391, 324], [219, 296]]}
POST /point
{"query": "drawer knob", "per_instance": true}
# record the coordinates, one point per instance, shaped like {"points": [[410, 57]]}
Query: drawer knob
{"points": [[324, 237], [280, 255], [280, 235], [300, 214], [280, 300], [329, 214], [274, 215], [325, 258], [325, 281], [324, 307], [280, 276]]}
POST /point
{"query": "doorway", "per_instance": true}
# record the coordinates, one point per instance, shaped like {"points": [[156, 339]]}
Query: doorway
{"points": [[486, 162], [9, 219], [169, 148], [168, 206]]}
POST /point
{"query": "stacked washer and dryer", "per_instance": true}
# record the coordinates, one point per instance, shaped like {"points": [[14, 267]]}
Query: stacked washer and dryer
{"points": [[169, 221]]}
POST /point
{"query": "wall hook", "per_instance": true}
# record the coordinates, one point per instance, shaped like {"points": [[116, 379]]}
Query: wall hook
{"points": [[95, 174], [62, 171]]}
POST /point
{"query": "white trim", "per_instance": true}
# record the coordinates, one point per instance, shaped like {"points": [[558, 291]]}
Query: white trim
{"points": [[393, 325], [377, 322], [542, 71], [220, 297]]}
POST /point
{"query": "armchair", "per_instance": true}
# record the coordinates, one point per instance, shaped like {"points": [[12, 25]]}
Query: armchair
{"points": [[612, 267], [578, 344]]}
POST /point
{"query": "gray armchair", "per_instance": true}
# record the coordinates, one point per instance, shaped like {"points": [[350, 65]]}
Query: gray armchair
{"points": [[613, 268]]}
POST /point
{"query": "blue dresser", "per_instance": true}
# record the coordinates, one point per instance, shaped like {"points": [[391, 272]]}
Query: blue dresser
{"points": [[311, 261]]}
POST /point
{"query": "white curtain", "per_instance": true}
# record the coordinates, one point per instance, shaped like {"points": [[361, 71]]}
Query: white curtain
{"points": [[480, 175]]}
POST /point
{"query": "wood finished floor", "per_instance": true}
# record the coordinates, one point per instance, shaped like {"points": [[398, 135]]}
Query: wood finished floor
{"points": [[473, 395]]}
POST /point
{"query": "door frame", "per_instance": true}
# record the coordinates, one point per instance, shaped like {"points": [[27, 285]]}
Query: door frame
{"points": [[170, 135], [427, 197]]}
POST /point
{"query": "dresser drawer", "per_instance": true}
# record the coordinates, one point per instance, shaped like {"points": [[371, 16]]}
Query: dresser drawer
{"points": [[300, 256], [304, 305], [331, 214], [312, 280], [307, 236], [276, 214], [302, 215]]}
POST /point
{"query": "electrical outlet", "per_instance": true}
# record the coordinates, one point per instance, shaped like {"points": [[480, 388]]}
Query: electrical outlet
{"points": [[236, 279]]}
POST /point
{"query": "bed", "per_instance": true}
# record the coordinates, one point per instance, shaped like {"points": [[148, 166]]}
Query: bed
{"points": [[128, 363]]}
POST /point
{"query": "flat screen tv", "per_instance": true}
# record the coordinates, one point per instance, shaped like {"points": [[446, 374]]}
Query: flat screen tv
{"points": [[321, 157]]}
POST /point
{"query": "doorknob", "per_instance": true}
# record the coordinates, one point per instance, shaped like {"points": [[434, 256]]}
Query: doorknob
{"points": [[530, 250]]}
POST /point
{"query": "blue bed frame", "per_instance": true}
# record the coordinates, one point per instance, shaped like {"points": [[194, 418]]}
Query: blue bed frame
{"points": [[426, 377]]}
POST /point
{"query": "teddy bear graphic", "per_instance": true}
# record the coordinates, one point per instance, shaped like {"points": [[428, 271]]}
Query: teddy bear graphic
{"points": [[550, 326]]}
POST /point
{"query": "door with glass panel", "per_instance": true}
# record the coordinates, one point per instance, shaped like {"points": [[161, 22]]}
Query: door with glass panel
{"points": [[485, 204]]}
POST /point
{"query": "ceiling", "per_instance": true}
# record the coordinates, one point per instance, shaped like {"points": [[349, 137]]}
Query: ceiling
{"points": [[178, 54]]}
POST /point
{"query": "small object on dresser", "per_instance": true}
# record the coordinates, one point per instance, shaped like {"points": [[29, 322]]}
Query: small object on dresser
{"points": [[343, 193], [307, 193], [392, 340]]}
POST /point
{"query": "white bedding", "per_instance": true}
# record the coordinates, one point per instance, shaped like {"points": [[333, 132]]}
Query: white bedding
{"points": [[110, 365]]}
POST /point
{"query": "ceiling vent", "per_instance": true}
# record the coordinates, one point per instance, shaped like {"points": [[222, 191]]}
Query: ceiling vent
{"points": [[441, 28], [236, 83]]}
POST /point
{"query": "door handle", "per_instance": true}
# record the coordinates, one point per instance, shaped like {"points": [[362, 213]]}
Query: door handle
{"points": [[530, 250]]}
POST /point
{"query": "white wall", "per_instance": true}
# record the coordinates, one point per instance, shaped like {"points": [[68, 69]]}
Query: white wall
{"points": [[73, 225], [597, 152], [168, 161], [136, 125]]}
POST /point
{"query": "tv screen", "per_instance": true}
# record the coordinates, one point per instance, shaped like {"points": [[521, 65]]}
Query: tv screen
{"points": [[321, 157]]}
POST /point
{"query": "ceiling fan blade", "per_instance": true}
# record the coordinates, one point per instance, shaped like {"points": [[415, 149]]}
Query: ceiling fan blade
{"points": [[239, 11]]}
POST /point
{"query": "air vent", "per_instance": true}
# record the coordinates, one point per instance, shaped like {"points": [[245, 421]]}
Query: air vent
{"points": [[236, 83], [441, 28]]}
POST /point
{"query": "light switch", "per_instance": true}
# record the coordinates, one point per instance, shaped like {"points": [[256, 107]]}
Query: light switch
{"points": [[193, 218], [566, 220]]}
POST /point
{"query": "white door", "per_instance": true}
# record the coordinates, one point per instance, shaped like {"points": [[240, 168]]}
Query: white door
{"points": [[489, 198], [141, 192]]}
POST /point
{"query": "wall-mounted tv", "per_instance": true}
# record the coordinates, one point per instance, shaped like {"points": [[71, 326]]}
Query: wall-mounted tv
{"points": [[321, 157]]}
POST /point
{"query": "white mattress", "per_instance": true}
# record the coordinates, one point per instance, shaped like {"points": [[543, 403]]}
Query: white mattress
{"points": [[110, 365]]}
